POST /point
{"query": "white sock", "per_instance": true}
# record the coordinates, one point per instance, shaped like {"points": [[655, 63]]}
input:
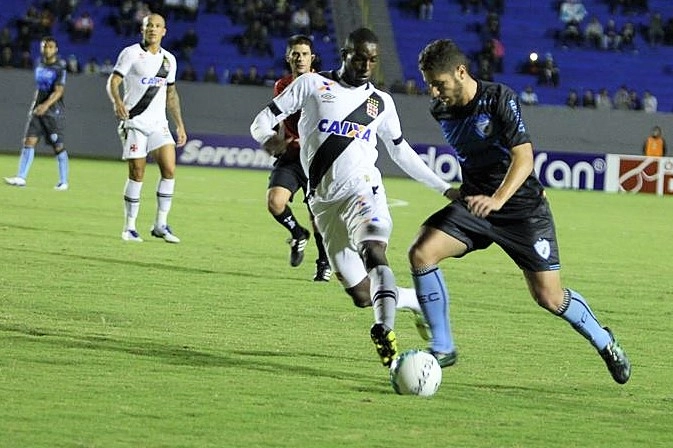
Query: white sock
{"points": [[165, 190], [406, 299], [384, 295], [131, 203]]}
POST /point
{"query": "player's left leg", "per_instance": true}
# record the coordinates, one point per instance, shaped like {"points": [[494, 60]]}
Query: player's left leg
{"points": [[545, 287], [54, 128], [165, 158]]}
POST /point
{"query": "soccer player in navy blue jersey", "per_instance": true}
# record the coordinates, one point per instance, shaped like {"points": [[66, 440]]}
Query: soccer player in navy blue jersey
{"points": [[46, 117], [499, 201]]}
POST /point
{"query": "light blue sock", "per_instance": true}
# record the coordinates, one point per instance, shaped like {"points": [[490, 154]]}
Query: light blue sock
{"points": [[63, 166], [576, 311], [26, 159], [434, 300]]}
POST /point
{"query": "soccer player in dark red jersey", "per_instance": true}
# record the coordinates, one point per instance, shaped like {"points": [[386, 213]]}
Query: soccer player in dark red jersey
{"points": [[500, 201], [287, 175]]}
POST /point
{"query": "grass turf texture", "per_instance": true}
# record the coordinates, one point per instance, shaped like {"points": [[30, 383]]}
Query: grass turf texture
{"points": [[218, 342]]}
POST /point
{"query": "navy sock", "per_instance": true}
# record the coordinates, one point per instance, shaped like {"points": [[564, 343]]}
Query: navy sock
{"points": [[434, 300], [287, 220]]}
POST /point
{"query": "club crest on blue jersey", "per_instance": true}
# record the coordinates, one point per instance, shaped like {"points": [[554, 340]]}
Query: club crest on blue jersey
{"points": [[372, 107], [483, 125], [345, 129]]}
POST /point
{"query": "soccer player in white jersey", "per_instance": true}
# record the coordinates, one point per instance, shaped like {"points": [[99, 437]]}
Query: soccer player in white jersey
{"points": [[147, 72], [342, 113]]}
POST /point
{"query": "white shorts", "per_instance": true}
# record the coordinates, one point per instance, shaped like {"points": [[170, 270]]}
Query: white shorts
{"points": [[137, 144], [361, 216]]}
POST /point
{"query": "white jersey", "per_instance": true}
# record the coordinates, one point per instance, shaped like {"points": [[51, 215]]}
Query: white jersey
{"points": [[146, 77], [338, 131]]}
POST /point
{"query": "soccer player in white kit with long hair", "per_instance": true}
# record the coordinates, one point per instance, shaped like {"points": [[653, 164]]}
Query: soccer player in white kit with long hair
{"points": [[148, 73], [342, 114]]}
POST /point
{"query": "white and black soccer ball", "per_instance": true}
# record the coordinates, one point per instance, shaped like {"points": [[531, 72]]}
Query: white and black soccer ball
{"points": [[415, 372]]}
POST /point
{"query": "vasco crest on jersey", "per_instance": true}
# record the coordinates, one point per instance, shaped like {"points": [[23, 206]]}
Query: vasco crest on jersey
{"points": [[372, 107]]}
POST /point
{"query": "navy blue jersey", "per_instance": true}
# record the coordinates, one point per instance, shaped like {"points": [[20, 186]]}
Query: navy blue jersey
{"points": [[483, 133], [47, 77]]}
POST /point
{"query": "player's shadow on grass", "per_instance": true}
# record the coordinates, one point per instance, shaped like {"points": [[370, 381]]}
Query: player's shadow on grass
{"points": [[163, 266], [263, 361]]}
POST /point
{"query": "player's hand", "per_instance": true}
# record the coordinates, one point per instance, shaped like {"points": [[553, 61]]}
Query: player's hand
{"points": [[181, 135], [276, 145], [481, 205], [120, 111], [40, 110]]}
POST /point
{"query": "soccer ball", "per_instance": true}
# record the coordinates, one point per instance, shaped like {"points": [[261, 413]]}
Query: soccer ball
{"points": [[415, 372]]}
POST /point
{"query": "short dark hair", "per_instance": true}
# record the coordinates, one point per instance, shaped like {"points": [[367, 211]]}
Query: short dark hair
{"points": [[299, 39], [49, 39], [360, 36], [441, 55]]}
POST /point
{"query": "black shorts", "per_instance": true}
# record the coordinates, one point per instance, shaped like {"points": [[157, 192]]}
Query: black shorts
{"points": [[50, 127], [289, 175], [530, 241]]}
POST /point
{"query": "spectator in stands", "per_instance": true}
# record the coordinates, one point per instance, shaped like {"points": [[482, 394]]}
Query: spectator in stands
{"points": [[611, 37], [6, 39], [593, 33], [173, 9], [190, 9], [238, 76], [124, 22], [635, 102], [528, 96], [319, 22], [106, 67], [621, 100], [573, 99], [82, 28], [425, 9], [550, 74], [300, 21], [270, 77], [255, 39], [7, 58], [252, 78], [189, 74], [572, 11], [91, 67], [25, 61], [141, 11], [571, 35], [72, 65], [211, 75], [491, 28], [187, 44], [589, 99], [603, 100], [650, 102], [655, 30], [411, 87], [627, 36], [24, 39], [655, 144]]}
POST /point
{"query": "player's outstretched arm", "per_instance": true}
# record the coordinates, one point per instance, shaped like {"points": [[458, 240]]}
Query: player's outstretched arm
{"points": [[412, 164]]}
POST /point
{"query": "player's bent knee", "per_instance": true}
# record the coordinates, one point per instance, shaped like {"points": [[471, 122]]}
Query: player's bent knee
{"points": [[360, 294]]}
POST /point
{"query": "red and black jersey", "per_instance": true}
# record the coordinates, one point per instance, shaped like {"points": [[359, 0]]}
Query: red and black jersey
{"points": [[291, 122]]}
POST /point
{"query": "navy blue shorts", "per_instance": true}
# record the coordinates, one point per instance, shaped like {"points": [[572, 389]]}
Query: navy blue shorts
{"points": [[528, 239], [50, 127]]}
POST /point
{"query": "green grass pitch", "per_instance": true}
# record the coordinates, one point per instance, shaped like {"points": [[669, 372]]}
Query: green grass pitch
{"points": [[218, 342]]}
